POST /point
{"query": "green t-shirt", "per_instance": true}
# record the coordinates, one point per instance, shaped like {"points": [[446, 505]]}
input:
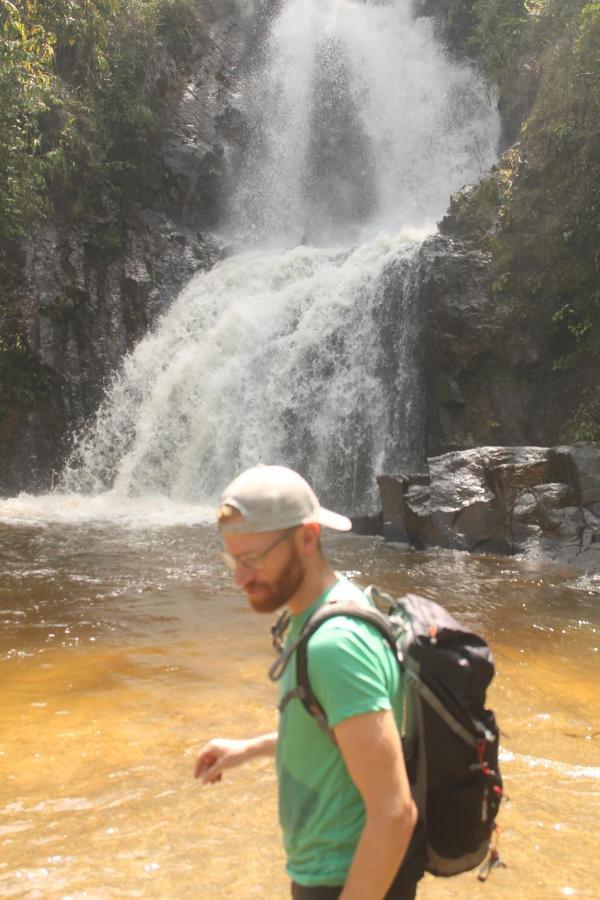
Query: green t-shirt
{"points": [[352, 671]]}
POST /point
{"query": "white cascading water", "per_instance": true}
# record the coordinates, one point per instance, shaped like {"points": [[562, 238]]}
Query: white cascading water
{"points": [[299, 349], [359, 121]]}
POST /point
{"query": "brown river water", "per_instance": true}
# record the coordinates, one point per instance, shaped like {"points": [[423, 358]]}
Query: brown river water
{"points": [[124, 648]]}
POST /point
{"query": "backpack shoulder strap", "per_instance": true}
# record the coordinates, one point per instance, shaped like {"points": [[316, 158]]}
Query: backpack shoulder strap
{"points": [[329, 610]]}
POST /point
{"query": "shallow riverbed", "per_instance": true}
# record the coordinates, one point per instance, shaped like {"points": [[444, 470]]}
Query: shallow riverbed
{"points": [[124, 647]]}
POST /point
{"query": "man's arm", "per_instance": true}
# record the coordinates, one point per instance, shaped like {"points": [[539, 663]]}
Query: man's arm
{"points": [[221, 754], [371, 748]]}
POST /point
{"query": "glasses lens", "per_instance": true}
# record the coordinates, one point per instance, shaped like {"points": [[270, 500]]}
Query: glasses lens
{"points": [[232, 562], [228, 560], [252, 561]]}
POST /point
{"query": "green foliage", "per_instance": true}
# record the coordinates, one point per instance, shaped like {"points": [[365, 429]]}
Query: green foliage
{"points": [[544, 199], [586, 52], [476, 211], [84, 85], [25, 61], [176, 23], [83, 88], [555, 214], [584, 425], [492, 32], [499, 35]]}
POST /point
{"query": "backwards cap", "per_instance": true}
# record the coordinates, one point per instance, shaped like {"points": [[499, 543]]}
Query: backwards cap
{"points": [[274, 497]]}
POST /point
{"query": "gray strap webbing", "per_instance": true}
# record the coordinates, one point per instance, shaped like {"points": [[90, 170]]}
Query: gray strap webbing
{"points": [[315, 712], [281, 663], [291, 695], [439, 707], [420, 787]]}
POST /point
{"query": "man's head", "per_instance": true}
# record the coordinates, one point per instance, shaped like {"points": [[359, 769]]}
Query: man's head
{"points": [[270, 520]]}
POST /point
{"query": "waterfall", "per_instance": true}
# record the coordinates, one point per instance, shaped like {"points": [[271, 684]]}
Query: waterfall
{"points": [[300, 349], [359, 121]]}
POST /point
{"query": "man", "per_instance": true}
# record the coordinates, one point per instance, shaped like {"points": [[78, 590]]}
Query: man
{"points": [[346, 809]]}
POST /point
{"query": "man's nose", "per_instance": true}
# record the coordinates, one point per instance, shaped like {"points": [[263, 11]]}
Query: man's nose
{"points": [[243, 574]]}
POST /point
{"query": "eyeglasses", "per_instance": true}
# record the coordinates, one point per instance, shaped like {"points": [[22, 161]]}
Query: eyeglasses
{"points": [[253, 561]]}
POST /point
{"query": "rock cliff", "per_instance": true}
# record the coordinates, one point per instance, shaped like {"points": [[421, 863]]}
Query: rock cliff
{"points": [[488, 373]]}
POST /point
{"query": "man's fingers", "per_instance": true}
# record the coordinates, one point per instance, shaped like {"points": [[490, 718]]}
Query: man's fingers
{"points": [[211, 776], [208, 768], [204, 763], [218, 755]]}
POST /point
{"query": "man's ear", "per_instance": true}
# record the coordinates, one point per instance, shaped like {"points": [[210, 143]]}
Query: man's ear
{"points": [[309, 538]]}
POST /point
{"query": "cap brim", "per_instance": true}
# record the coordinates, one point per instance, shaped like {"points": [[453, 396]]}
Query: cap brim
{"points": [[334, 520]]}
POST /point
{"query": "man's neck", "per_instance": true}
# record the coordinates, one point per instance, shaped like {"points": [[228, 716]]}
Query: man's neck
{"points": [[317, 580]]}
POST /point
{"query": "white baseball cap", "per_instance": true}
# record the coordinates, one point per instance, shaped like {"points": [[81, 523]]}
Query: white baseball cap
{"points": [[273, 497]]}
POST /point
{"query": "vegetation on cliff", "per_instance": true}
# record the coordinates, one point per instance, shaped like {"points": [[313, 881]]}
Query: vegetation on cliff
{"points": [[539, 212], [84, 85]]}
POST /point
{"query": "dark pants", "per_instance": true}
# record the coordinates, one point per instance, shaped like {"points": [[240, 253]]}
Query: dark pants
{"points": [[403, 887], [396, 892]]}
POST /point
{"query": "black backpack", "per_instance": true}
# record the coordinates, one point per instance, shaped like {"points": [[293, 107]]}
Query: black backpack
{"points": [[451, 748]]}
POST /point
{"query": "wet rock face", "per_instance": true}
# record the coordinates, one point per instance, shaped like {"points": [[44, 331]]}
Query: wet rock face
{"points": [[529, 500], [488, 372], [461, 329], [87, 295], [206, 125]]}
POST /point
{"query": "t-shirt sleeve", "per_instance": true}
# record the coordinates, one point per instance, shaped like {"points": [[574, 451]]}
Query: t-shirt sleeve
{"points": [[348, 670]]}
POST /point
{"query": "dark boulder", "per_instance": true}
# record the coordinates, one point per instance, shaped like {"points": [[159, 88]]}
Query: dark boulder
{"points": [[367, 525], [533, 501]]}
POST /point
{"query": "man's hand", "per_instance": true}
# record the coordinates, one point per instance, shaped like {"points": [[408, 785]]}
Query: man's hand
{"points": [[222, 753]]}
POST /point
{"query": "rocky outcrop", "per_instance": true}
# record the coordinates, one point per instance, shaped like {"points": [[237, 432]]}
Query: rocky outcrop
{"points": [[86, 292], [533, 501]]}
